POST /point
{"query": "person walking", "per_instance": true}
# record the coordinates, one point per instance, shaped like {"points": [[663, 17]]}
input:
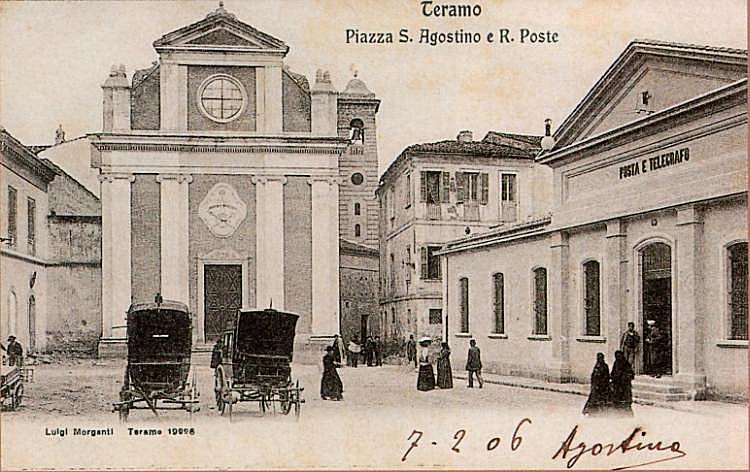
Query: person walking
{"points": [[331, 387], [354, 349], [444, 372], [622, 391], [411, 350], [426, 377], [474, 364], [629, 343], [338, 349], [598, 400], [370, 351], [14, 350]]}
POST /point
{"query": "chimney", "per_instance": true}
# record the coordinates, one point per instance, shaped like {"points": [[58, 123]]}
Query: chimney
{"points": [[324, 105], [464, 136], [548, 142], [116, 101]]}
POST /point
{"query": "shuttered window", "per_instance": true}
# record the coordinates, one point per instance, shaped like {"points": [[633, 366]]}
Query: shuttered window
{"points": [[499, 302], [738, 290], [430, 263], [540, 301], [430, 187], [12, 215], [463, 287], [508, 197], [591, 298]]}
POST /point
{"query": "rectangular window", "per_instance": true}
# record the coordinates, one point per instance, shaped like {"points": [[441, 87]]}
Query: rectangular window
{"points": [[463, 288], [499, 303], [540, 301], [430, 263], [508, 197], [591, 298], [407, 195], [31, 225], [738, 290], [436, 316], [472, 186], [430, 187], [12, 215]]}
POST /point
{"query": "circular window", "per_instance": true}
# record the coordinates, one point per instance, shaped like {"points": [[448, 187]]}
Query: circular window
{"points": [[221, 98], [357, 178]]}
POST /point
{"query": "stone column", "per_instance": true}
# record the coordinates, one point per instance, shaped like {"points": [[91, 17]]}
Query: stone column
{"points": [[325, 255], [116, 236], [175, 230], [558, 310], [269, 221], [687, 337], [613, 316]]}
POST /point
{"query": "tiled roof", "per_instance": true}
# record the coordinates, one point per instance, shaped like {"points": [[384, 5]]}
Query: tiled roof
{"points": [[352, 247], [526, 142], [702, 47], [475, 148], [299, 79]]}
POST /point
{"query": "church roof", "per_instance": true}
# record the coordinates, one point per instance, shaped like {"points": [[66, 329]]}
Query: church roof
{"points": [[357, 87], [220, 30]]}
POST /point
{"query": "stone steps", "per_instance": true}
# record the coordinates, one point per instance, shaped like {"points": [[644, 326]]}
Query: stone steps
{"points": [[663, 389]]}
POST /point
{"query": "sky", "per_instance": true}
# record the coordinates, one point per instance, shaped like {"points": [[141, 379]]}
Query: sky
{"points": [[54, 56]]}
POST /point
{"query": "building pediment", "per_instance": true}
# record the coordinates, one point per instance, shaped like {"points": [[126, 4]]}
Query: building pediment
{"points": [[650, 76], [220, 31]]}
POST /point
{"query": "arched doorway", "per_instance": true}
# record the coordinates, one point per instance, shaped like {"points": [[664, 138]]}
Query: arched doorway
{"points": [[656, 307], [32, 324]]}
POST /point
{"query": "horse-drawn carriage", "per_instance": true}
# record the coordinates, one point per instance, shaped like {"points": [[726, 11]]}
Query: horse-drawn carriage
{"points": [[11, 387], [256, 352], [159, 348]]}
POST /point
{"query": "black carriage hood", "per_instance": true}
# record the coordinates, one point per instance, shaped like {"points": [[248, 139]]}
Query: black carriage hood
{"points": [[265, 332]]}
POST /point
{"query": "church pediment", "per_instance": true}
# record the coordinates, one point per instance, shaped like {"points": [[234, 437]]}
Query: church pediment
{"points": [[220, 30], [650, 76]]}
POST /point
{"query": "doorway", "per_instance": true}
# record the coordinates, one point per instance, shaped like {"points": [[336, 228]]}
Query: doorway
{"points": [[222, 297], [656, 299], [363, 328]]}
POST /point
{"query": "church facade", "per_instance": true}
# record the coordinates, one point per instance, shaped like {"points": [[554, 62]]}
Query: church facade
{"points": [[227, 181]]}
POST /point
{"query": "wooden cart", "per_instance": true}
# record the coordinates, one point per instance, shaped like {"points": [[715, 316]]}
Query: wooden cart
{"points": [[159, 348], [11, 387], [255, 364]]}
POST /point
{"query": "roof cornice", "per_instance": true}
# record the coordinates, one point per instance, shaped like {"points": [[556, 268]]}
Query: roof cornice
{"points": [[713, 101]]}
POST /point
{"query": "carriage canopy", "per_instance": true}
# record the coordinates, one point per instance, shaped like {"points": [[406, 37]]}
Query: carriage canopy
{"points": [[265, 332], [159, 331]]}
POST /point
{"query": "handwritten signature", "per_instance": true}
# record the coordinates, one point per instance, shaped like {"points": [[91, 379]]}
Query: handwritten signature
{"points": [[628, 444], [571, 450]]}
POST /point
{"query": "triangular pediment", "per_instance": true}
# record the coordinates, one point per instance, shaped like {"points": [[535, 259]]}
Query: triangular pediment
{"points": [[648, 77], [220, 30]]}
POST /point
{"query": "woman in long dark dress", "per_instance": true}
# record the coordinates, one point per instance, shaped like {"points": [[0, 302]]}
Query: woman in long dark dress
{"points": [[598, 400], [330, 385], [622, 392], [426, 378], [444, 372]]}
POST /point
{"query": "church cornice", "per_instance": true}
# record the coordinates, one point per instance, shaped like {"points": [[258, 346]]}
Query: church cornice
{"points": [[232, 144]]}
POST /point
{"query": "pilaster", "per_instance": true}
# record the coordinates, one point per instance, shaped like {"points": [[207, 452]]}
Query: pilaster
{"points": [[273, 104], [174, 192], [558, 310], [614, 319], [269, 220], [687, 340], [173, 96], [116, 260], [325, 255]]}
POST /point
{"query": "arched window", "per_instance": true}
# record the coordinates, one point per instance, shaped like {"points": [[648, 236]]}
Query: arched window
{"points": [[737, 285], [498, 284], [357, 209], [357, 131], [357, 231], [463, 288], [540, 301], [591, 298]]}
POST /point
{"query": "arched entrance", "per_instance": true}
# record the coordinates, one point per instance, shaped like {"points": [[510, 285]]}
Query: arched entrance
{"points": [[656, 308]]}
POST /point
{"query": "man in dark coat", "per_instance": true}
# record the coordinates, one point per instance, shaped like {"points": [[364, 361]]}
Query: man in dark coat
{"points": [[474, 364], [378, 351], [630, 342], [15, 352], [657, 343], [598, 400], [622, 392], [370, 351], [216, 353], [330, 384], [411, 350]]}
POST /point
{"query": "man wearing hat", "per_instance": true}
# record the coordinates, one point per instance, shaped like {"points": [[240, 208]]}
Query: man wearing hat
{"points": [[474, 364], [629, 343], [656, 344], [14, 350]]}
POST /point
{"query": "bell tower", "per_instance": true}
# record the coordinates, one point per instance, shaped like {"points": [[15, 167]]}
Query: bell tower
{"points": [[358, 166]]}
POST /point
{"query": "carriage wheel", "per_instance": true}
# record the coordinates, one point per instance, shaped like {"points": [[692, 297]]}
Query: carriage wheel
{"points": [[219, 391], [17, 397], [262, 403], [229, 407], [124, 411], [297, 401]]}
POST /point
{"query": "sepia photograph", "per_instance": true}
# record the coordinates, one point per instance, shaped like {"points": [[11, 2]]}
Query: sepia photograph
{"points": [[373, 235]]}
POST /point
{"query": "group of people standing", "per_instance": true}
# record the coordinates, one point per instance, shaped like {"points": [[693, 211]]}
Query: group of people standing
{"points": [[426, 378], [371, 350], [611, 392]]}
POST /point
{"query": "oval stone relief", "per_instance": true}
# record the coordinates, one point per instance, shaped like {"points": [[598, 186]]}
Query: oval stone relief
{"points": [[222, 210]]}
